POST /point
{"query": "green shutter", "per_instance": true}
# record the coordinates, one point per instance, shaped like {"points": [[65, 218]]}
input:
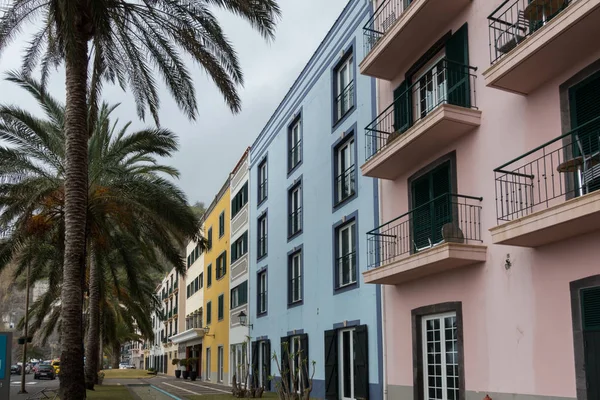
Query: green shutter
{"points": [[421, 216], [220, 307], [402, 108], [267, 382], [590, 308], [304, 359], [584, 102], [361, 362], [254, 370], [285, 357], [331, 365], [208, 313], [209, 275], [243, 295], [457, 53]]}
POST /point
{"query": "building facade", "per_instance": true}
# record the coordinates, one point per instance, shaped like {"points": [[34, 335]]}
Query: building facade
{"points": [[189, 340], [486, 146], [238, 276], [309, 207], [215, 358], [155, 347]]}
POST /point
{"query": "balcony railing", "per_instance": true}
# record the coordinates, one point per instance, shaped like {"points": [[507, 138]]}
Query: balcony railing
{"points": [[344, 101], [514, 20], [345, 184], [561, 169], [346, 273], [295, 222], [262, 191], [382, 20], [294, 156], [446, 82], [262, 246], [450, 218]]}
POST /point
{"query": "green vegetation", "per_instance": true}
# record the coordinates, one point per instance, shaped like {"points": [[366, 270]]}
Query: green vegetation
{"points": [[127, 374]]}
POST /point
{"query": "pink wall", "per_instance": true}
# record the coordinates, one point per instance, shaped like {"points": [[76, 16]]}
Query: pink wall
{"points": [[517, 322]]}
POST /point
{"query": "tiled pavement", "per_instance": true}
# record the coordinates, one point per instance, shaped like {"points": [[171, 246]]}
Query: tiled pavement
{"points": [[176, 388]]}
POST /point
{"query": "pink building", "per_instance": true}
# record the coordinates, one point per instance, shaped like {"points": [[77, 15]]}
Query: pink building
{"points": [[487, 147]]}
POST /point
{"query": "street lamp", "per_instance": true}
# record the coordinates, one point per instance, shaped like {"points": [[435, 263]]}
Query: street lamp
{"points": [[206, 330], [244, 320]]}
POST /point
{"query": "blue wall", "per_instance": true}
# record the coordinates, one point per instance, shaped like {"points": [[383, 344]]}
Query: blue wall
{"points": [[323, 308]]}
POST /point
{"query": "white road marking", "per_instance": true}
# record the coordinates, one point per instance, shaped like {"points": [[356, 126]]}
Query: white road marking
{"points": [[180, 388], [207, 387]]}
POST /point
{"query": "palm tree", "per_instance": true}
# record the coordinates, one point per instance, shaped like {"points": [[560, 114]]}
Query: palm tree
{"points": [[123, 40], [130, 207]]}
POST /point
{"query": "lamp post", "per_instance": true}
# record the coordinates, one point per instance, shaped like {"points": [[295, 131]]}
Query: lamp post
{"points": [[23, 391], [244, 320]]}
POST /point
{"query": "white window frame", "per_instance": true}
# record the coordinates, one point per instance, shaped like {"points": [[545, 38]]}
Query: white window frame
{"points": [[341, 362], [345, 161], [220, 362], [262, 180], [235, 297], [238, 363], [263, 358], [296, 270], [295, 139], [441, 318], [352, 247], [295, 207], [262, 234], [439, 92], [344, 71], [208, 361], [262, 292]]}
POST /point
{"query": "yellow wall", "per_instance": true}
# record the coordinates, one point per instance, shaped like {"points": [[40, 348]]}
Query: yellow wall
{"points": [[218, 328]]}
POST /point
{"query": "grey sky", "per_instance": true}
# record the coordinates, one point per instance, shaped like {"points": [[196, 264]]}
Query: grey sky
{"points": [[211, 146]]}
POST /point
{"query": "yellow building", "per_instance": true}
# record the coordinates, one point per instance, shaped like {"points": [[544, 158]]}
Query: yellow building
{"points": [[215, 358]]}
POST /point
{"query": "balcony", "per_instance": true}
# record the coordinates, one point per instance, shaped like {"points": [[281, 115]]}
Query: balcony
{"points": [[397, 33], [190, 334], [550, 193], [438, 236], [175, 312], [526, 36], [430, 115]]}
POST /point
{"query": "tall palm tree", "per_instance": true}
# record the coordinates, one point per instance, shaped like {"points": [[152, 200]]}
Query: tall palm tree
{"points": [[131, 206], [124, 40]]}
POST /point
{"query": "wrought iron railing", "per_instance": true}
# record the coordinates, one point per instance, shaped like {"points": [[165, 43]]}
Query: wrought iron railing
{"points": [[447, 218], [346, 273], [556, 171], [382, 20], [345, 184], [295, 222], [446, 82], [344, 101], [514, 20], [294, 156]]}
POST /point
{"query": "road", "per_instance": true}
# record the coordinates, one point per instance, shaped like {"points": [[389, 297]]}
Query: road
{"points": [[32, 386]]}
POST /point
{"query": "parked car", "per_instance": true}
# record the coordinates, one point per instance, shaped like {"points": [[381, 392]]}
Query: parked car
{"points": [[45, 371], [15, 369]]}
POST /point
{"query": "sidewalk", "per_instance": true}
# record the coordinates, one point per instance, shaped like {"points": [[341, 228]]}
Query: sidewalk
{"points": [[163, 387]]}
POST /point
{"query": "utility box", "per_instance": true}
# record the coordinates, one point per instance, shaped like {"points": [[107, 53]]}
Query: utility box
{"points": [[5, 352]]}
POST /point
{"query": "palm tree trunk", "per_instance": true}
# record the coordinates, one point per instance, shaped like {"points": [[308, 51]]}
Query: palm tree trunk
{"points": [[93, 331], [116, 355], [72, 383]]}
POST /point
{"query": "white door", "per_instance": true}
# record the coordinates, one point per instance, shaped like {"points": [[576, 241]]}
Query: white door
{"points": [[346, 363]]}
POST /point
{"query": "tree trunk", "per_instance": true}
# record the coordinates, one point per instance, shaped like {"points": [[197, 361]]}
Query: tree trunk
{"points": [[72, 382], [100, 352], [93, 332], [116, 355]]}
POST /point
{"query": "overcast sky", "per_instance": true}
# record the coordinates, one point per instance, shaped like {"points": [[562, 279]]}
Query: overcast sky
{"points": [[211, 146]]}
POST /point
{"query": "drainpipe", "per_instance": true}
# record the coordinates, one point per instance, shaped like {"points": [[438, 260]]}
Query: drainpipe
{"points": [[383, 313]]}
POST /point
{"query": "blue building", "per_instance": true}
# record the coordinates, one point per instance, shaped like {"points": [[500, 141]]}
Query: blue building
{"points": [[310, 207]]}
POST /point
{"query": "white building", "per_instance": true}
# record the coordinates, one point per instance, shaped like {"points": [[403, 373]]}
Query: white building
{"points": [[238, 278]]}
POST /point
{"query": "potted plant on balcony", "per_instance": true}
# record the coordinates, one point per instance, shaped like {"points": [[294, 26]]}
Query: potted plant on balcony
{"points": [[184, 363], [193, 362], [175, 362]]}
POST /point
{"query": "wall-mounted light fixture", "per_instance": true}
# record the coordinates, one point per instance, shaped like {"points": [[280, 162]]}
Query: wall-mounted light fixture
{"points": [[244, 320]]}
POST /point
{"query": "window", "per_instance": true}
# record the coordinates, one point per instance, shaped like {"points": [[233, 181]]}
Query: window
{"points": [[295, 210], [208, 362], [201, 279], [208, 313], [221, 307], [440, 356], [262, 236], [239, 295], [295, 278], [431, 205], [262, 181], [262, 292], [209, 276], [344, 87], [238, 359], [239, 200], [346, 254], [295, 348], [294, 144], [209, 239], [346, 351], [188, 261], [196, 284], [221, 224], [431, 88], [220, 362], [222, 265], [345, 171], [239, 247]]}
